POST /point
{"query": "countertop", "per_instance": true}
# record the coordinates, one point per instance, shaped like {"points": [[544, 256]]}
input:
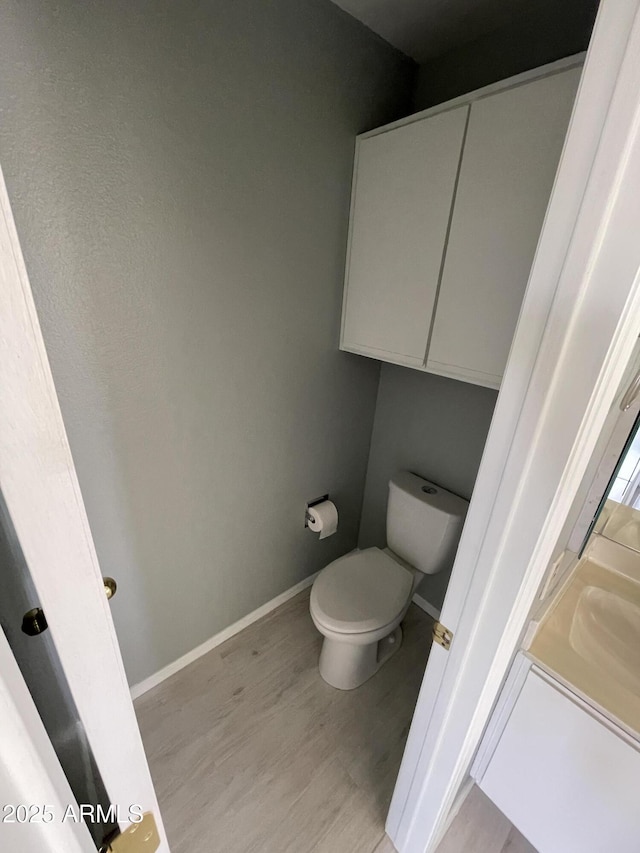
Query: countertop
{"points": [[590, 635]]}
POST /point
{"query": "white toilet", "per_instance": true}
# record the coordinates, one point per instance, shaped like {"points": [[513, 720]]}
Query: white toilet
{"points": [[358, 601]]}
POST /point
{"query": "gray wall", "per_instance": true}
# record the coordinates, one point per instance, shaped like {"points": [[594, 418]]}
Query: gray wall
{"points": [[430, 425], [180, 177], [550, 30]]}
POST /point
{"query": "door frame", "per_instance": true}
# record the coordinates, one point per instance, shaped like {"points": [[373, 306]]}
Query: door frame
{"points": [[40, 488], [578, 326], [30, 773]]}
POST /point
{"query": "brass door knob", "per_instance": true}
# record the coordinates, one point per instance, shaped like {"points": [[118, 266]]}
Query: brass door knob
{"points": [[110, 587]]}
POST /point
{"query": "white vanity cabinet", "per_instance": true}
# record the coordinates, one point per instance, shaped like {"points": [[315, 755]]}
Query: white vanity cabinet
{"points": [[446, 212], [565, 776]]}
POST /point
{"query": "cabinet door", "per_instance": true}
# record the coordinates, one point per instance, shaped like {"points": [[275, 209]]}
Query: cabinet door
{"points": [[511, 154], [403, 191], [562, 777]]}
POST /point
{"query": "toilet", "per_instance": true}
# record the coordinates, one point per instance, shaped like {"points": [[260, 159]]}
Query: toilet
{"points": [[358, 601]]}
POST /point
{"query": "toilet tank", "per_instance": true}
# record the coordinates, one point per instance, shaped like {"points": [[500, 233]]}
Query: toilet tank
{"points": [[424, 522]]}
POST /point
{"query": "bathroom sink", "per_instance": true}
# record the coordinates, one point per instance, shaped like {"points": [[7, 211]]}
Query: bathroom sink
{"points": [[589, 636], [605, 631]]}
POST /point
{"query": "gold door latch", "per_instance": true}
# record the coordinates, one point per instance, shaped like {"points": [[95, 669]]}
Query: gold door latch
{"points": [[140, 837], [443, 636]]}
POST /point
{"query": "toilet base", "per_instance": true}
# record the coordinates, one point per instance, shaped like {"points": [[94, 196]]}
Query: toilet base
{"points": [[348, 665]]}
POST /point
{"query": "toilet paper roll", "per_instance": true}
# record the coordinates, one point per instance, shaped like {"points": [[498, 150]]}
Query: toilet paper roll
{"points": [[324, 519]]}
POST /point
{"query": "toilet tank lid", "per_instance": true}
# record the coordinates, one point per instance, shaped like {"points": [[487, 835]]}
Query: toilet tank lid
{"points": [[430, 493]]}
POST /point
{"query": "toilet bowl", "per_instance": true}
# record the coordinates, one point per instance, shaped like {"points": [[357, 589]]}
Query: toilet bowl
{"points": [[358, 601]]}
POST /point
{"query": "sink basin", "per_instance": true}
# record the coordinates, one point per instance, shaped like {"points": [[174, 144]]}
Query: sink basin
{"points": [[605, 631], [589, 636]]}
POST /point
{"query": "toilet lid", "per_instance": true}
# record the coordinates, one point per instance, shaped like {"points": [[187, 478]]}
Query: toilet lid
{"points": [[363, 591]]}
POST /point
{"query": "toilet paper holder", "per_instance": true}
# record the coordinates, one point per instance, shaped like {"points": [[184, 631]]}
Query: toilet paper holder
{"points": [[307, 515]]}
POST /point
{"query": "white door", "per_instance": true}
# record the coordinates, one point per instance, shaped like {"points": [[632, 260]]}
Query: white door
{"points": [[30, 775], [49, 533]]}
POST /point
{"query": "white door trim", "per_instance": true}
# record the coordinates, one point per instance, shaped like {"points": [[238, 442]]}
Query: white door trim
{"points": [[30, 773], [42, 495], [577, 329]]}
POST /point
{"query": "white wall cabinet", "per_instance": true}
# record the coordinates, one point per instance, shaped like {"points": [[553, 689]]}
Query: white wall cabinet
{"points": [[446, 212], [511, 154], [401, 209], [562, 774]]}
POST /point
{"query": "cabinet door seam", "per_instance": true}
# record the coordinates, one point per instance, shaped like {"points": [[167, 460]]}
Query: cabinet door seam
{"points": [[446, 237]]}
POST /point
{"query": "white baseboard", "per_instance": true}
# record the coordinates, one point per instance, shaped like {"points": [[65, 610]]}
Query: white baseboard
{"points": [[218, 639], [423, 604]]}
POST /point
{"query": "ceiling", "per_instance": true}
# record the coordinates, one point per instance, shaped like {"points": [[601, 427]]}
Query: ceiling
{"points": [[424, 29]]}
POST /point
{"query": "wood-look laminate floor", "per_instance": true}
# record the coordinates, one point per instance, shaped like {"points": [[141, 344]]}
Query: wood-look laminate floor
{"points": [[479, 827], [251, 752]]}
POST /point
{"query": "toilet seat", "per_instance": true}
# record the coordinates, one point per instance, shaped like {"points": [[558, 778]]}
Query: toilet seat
{"points": [[361, 592]]}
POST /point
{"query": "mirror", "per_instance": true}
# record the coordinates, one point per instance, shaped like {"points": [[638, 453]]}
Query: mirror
{"points": [[618, 515]]}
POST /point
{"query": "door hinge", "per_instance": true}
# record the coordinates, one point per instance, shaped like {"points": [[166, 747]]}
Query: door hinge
{"points": [[443, 636], [140, 837]]}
